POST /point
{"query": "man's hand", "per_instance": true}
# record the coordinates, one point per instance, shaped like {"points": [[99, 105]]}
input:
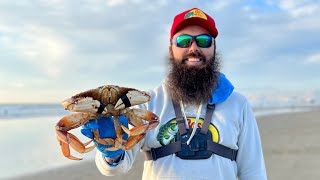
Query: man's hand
{"points": [[106, 129]]}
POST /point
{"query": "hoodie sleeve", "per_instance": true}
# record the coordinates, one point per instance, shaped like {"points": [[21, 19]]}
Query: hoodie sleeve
{"points": [[125, 164], [250, 161]]}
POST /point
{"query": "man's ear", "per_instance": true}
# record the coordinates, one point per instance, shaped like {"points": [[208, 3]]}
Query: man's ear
{"points": [[170, 52]]}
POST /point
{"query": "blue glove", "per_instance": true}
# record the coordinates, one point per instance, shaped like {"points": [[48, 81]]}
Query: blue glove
{"points": [[106, 130]]}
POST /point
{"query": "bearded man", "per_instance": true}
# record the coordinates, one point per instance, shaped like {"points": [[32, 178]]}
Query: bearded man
{"points": [[207, 131]]}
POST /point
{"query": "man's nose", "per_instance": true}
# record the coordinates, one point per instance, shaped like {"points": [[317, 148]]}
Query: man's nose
{"points": [[194, 47]]}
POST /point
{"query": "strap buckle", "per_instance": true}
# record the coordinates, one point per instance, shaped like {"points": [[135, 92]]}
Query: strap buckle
{"points": [[153, 154], [181, 123], [180, 120], [197, 144], [194, 145], [211, 106], [234, 155]]}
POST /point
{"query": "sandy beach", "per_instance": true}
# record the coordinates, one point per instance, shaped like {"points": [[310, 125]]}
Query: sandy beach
{"points": [[290, 143]]}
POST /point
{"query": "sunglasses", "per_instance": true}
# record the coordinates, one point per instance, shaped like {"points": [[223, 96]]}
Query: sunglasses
{"points": [[185, 40]]}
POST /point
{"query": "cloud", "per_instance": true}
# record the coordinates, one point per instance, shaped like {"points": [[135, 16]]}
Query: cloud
{"points": [[298, 8], [113, 3], [40, 46], [144, 4], [220, 5], [17, 84], [313, 59], [55, 48]]}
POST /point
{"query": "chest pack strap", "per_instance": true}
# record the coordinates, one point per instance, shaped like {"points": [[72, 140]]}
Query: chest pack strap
{"points": [[180, 120], [195, 145], [172, 148], [207, 118]]}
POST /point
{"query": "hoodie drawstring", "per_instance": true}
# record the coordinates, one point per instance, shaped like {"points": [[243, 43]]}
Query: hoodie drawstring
{"points": [[195, 126]]}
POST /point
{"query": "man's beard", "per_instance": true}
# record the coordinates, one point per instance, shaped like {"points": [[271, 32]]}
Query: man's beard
{"points": [[190, 84]]}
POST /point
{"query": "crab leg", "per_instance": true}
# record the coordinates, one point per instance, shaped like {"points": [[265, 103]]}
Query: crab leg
{"points": [[65, 139], [117, 145], [66, 151], [119, 142], [132, 141], [104, 141], [141, 129], [117, 126]]}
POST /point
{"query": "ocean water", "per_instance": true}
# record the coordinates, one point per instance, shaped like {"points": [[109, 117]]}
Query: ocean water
{"points": [[30, 145], [11, 111], [28, 142], [281, 110]]}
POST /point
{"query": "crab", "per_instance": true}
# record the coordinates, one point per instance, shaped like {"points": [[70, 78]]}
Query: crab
{"points": [[106, 100]]}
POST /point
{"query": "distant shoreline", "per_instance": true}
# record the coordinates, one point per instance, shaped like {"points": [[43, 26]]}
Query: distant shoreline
{"points": [[313, 107], [20, 111]]}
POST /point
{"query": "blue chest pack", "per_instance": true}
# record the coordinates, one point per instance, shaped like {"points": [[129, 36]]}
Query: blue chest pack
{"points": [[201, 145]]}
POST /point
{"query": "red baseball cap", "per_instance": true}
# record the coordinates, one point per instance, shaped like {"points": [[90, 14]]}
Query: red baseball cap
{"points": [[193, 16]]}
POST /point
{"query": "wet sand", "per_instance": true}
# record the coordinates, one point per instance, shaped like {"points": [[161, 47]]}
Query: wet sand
{"points": [[290, 143]]}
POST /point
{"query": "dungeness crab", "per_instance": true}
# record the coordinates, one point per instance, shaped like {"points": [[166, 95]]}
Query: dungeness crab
{"points": [[106, 100]]}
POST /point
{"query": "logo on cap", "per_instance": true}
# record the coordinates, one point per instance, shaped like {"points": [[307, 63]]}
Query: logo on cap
{"points": [[195, 13]]}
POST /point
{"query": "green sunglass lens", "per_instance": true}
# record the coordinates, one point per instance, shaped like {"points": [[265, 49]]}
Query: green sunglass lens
{"points": [[184, 41], [204, 41]]}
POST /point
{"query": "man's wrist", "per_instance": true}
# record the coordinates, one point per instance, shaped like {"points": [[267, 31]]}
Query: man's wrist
{"points": [[115, 160]]}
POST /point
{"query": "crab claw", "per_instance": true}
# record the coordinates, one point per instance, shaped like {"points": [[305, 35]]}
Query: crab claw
{"points": [[135, 116], [133, 97], [82, 104]]}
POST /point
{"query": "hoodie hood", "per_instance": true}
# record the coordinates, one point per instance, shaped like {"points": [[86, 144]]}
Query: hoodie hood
{"points": [[222, 92]]}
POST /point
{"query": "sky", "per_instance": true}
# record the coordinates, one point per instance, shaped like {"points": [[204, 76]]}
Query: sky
{"points": [[53, 49]]}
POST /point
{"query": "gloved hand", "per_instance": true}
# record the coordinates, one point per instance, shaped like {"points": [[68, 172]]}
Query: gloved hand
{"points": [[106, 130]]}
